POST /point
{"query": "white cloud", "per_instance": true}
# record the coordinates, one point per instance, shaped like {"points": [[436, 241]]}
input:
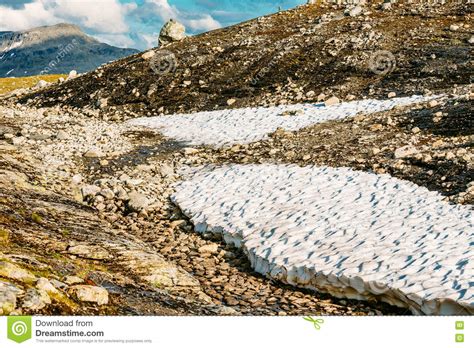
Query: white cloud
{"points": [[105, 16], [107, 20], [161, 9], [119, 40], [149, 40], [32, 15], [204, 23]]}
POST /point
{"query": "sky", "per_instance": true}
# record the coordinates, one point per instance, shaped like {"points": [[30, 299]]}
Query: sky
{"points": [[134, 23]]}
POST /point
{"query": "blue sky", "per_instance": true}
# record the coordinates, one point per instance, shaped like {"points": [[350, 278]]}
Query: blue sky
{"points": [[134, 23]]}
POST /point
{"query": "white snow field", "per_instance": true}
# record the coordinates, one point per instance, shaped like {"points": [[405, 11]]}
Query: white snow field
{"points": [[241, 126], [349, 233]]}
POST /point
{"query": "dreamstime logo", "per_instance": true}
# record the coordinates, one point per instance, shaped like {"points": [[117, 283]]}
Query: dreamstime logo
{"points": [[382, 62], [317, 322], [19, 328], [163, 62], [377, 288], [62, 53]]}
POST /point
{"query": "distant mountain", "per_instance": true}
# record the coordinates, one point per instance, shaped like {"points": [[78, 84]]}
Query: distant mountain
{"points": [[55, 49]]}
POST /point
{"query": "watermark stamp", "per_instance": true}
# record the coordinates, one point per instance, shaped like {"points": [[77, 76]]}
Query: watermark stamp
{"points": [[62, 53], [19, 328], [317, 322], [163, 62], [382, 62]]}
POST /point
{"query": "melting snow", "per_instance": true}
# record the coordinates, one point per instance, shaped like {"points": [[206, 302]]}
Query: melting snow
{"points": [[352, 234], [226, 127]]}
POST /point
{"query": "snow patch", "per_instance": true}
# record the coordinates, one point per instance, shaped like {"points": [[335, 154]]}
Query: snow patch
{"points": [[240, 126], [349, 233]]}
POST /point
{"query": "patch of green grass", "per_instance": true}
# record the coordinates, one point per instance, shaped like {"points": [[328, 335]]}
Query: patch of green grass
{"points": [[4, 236], [65, 232], [36, 218]]}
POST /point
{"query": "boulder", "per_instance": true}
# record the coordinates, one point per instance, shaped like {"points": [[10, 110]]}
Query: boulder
{"points": [[172, 31], [72, 74]]}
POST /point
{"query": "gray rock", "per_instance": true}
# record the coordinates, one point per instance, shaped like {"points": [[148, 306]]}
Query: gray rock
{"points": [[45, 285], [12, 271], [89, 190], [8, 297], [71, 280], [58, 284], [36, 299], [107, 193], [93, 153], [405, 151], [354, 12], [89, 293], [138, 202], [41, 84], [172, 31]]}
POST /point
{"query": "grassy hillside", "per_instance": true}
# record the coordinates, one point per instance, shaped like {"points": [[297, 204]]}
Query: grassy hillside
{"points": [[9, 84]]}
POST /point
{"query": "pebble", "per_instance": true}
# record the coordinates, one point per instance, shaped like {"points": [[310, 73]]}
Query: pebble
{"points": [[93, 153], [148, 55], [356, 11], [454, 27], [405, 151], [209, 248], [332, 101]]}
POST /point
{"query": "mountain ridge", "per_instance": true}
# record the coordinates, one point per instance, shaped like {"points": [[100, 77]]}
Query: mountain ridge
{"points": [[55, 49]]}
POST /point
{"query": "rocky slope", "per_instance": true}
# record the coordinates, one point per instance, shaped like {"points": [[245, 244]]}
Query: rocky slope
{"points": [[287, 57], [55, 49]]}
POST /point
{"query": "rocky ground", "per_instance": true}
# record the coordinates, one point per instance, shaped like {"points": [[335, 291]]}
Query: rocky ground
{"points": [[289, 57], [86, 224]]}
